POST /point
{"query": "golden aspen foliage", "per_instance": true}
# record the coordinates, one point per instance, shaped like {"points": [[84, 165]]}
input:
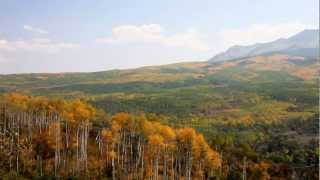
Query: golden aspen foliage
{"points": [[16, 101], [64, 137]]}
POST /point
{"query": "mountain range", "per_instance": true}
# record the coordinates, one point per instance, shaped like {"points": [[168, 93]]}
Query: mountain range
{"points": [[305, 43]]}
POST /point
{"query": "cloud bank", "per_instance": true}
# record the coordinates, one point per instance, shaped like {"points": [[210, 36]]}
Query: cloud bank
{"points": [[154, 34], [36, 45], [35, 30]]}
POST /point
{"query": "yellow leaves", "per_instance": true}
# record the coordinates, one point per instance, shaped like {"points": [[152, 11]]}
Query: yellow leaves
{"points": [[81, 111], [199, 147], [155, 140], [16, 100], [260, 170], [71, 110], [157, 133], [213, 159], [186, 135], [167, 132], [123, 121], [148, 128], [58, 106], [106, 135], [38, 104], [16, 97], [115, 127], [163, 141]]}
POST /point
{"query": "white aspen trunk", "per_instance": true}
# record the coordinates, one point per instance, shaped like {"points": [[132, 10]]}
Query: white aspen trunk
{"points": [[142, 162], [77, 151], [113, 165], [165, 169], [172, 166]]}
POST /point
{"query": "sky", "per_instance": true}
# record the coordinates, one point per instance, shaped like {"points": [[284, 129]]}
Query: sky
{"points": [[95, 35]]}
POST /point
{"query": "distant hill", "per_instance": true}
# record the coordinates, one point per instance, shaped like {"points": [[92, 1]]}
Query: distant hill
{"points": [[43, 83], [305, 43]]}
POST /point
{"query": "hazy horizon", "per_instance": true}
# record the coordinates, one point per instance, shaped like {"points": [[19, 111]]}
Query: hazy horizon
{"points": [[82, 36]]}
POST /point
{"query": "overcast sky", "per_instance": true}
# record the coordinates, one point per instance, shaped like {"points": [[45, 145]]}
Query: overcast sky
{"points": [[94, 35]]}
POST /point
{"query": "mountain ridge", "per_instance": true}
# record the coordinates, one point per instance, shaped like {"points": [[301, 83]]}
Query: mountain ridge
{"points": [[306, 39]]}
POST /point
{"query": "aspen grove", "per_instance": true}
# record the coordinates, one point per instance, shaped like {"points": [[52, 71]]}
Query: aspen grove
{"points": [[41, 137]]}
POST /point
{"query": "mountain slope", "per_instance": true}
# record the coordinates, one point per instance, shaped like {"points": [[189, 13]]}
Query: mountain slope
{"points": [[305, 43], [184, 88]]}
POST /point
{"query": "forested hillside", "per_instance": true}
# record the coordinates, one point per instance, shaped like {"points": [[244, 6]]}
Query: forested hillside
{"points": [[255, 117]]}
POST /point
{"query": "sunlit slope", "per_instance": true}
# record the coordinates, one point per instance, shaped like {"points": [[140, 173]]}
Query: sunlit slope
{"points": [[165, 73], [244, 88], [301, 67]]}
